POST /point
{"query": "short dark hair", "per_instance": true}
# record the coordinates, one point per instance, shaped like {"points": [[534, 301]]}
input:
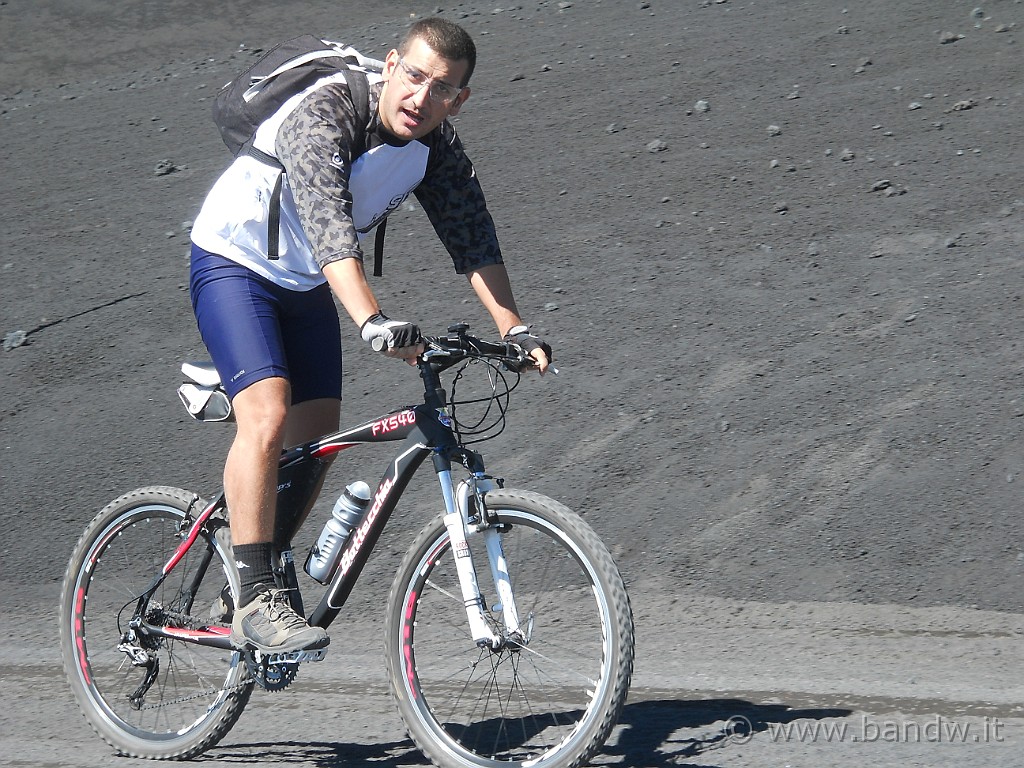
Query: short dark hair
{"points": [[447, 39]]}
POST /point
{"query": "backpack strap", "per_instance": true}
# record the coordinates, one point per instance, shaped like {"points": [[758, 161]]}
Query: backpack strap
{"points": [[378, 248]]}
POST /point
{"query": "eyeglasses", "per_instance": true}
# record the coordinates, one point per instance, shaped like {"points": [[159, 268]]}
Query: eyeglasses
{"points": [[439, 91]]}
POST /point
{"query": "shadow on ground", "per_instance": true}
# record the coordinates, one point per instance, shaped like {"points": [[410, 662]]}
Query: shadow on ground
{"points": [[650, 734]]}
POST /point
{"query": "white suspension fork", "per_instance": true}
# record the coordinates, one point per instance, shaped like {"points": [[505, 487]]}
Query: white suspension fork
{"points": [[457, 521], [495, 553], [456, 524]]}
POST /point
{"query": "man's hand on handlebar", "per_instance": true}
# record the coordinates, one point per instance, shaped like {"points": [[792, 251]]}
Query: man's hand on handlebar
{"points": [[395, 338], [533, 345]]}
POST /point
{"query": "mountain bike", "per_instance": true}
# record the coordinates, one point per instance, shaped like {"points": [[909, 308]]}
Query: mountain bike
{"points": [[532, 670]]}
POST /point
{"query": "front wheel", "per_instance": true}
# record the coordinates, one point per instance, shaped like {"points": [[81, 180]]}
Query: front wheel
{"points": [[549, 698], [149, 696]]}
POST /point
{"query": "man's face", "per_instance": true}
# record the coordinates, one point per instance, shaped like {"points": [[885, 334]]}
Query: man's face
{"points": [[409, 111]]}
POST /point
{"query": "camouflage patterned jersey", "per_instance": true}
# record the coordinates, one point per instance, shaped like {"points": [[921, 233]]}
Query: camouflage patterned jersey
{"points": [[342, 179]]}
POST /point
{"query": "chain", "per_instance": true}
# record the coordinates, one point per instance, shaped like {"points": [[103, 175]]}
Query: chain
{"points": [[200, 695]]}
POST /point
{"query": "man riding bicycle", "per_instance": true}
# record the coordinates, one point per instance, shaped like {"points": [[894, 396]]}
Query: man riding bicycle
{"points": [[270, 322]]}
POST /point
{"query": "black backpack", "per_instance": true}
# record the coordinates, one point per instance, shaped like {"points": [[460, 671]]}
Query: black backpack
{"points": [[243, 104]]}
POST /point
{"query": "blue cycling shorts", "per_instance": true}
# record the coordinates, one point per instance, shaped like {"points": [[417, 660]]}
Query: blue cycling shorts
{"points": [[255, 329]]}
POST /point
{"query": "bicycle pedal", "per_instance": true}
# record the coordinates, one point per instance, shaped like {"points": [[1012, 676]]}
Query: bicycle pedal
{"points": [[294, 657]]}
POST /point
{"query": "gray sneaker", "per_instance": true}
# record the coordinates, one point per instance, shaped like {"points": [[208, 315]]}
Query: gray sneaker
{"points": [[223, 609], [270, 625]]}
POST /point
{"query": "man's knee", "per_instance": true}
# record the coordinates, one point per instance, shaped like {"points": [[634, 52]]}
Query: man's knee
{"points": [[261, 409]]}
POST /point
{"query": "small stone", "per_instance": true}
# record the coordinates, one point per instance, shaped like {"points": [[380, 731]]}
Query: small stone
{"points": [[14, 339], [949, 37], [702, 106], [165, 167], [550, 307], [657, 146], [914, 105], [774, 130], [878, 186], [612, 128], [847, 155]]}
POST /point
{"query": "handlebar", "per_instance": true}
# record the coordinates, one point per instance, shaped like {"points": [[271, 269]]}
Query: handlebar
{"points": [[459, 345]]}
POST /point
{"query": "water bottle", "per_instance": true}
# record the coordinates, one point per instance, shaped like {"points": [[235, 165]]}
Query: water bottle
{"points": [[348, 512]]}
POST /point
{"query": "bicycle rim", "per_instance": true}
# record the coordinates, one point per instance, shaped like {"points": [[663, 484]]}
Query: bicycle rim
{"points": [[551, 702], [196, 692]]}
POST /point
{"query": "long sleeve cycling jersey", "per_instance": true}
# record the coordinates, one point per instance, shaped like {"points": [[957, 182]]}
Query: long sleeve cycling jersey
{"points": [[341, 179]]}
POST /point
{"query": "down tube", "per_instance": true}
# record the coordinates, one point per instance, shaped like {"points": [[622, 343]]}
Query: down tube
{"points": [[362, 540]]}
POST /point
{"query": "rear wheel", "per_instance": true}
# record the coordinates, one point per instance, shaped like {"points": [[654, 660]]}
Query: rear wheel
{"points": [[149, 696], [550, 699]]}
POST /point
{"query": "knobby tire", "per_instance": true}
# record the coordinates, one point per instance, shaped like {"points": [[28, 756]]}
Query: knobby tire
{"points": [[551, 703], [198, 692]]}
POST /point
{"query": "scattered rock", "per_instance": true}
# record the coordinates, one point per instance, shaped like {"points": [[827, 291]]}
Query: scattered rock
{"points": [[847, 155], [657, 146], [14, 339], [949, 37], [165, 167], [963, 105], [702, 106], [914, 105], [878, 186], [774, 130]]}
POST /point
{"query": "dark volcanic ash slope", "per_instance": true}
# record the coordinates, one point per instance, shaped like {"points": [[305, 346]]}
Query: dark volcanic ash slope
{"points": [[776, 247]]}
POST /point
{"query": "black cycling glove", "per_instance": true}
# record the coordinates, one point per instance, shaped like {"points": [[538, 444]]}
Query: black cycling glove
{"points": [[521, 335], [382, 333]]}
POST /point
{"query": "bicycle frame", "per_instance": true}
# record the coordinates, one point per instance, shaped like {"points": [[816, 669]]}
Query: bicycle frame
{"points": [[426, 430]]}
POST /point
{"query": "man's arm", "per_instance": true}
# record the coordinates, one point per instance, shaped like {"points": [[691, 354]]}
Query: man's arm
{"points": [[396, 338], [348, 281], [492, 287]]}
